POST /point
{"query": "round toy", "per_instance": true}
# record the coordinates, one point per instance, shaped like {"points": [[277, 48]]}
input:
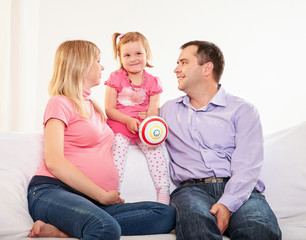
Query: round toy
{"points": [[153, 130]]}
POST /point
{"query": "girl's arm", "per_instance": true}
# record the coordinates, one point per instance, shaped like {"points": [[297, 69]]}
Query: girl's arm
{"points": [[113, 114], [153, 109], [65, 171]]}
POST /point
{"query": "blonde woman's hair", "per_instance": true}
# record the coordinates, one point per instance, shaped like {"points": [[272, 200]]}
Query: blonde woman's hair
{"points": [[72, 62], [131, 37]]}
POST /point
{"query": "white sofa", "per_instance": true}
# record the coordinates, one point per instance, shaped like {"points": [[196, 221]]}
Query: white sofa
{"points": [[284, 173]]}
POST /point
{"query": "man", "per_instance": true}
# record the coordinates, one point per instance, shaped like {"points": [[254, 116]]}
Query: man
{"points": [[216, 147]]}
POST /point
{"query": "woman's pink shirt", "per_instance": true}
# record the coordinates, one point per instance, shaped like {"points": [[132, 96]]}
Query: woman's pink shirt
{"points": [[87, 142]]}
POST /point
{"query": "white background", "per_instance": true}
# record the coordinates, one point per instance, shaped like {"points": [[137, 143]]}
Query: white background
{"points": [[263, 42]]}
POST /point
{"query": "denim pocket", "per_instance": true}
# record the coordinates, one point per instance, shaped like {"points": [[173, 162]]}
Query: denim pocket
{"points": [[32, 191]]}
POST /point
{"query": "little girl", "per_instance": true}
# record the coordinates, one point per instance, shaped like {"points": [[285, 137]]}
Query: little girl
{"points": [[131, 95]]}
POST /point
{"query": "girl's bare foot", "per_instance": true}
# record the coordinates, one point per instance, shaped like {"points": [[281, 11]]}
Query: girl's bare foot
{"points": [[41, 229]]}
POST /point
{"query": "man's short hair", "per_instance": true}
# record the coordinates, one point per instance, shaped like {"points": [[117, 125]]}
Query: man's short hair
{"points": [[208, 52]]}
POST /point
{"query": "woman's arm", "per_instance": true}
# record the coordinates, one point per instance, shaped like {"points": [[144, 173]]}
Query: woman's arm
{"points": [[65, 171], [112, 113]]}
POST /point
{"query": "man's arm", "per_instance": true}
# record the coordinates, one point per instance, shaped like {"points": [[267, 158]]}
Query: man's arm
{"points": [[246, 160]]}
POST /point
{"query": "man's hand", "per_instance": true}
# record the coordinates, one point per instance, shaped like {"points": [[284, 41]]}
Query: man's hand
{"points": [[222, 215]]}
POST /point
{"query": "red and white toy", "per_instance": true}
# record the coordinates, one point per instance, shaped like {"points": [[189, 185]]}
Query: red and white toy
{"points": [[153, 130]]}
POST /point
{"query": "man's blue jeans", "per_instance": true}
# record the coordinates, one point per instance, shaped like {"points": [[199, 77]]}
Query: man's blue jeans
{"points": [[85, 219], [192, 202]]}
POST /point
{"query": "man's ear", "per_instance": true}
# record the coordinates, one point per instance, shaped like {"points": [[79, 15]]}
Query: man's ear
{"points": [[208, 68]]}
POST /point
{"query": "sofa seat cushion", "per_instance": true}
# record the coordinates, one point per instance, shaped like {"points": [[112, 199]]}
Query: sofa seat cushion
{"points": [[284, 174]]}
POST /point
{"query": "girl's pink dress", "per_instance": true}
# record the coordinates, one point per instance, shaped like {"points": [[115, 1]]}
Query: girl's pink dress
{"points": [[131, 99]]}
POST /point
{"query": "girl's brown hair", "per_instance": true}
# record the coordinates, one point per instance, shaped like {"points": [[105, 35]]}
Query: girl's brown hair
{"points": [[131, 37]]}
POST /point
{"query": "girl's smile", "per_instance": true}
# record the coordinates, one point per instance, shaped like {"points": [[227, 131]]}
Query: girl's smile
{"points": [[133, 57]]}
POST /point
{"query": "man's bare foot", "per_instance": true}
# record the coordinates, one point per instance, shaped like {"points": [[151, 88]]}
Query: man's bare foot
{"points": [[41, 229]]}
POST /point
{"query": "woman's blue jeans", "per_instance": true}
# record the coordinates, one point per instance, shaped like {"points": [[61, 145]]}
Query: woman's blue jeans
{"points": [[192, 202], [85, 219]]}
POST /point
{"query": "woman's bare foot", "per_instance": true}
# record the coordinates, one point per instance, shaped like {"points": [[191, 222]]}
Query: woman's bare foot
{"points": [[41, 229]]}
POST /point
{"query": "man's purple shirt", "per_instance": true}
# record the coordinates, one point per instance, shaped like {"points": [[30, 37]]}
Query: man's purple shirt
{"points": [[222, 139]]}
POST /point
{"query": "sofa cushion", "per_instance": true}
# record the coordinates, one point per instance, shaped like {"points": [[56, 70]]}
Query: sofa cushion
{"points": [[20, 155], [284, 174], [137, 184]]}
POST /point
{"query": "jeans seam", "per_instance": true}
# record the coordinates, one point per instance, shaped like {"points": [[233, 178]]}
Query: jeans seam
{"points": [[146, 213]]}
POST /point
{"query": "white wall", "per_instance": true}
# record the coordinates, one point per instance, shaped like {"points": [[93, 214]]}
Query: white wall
{"points": [[18, 65], [263, 42]]}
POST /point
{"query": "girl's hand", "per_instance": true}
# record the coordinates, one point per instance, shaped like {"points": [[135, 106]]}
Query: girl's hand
{"points": [[132, 125], [111, 197], [142, 115]]}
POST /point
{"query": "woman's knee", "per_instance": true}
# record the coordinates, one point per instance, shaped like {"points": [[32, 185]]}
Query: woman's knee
{"points": [[106, 228], [168, 218]]}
